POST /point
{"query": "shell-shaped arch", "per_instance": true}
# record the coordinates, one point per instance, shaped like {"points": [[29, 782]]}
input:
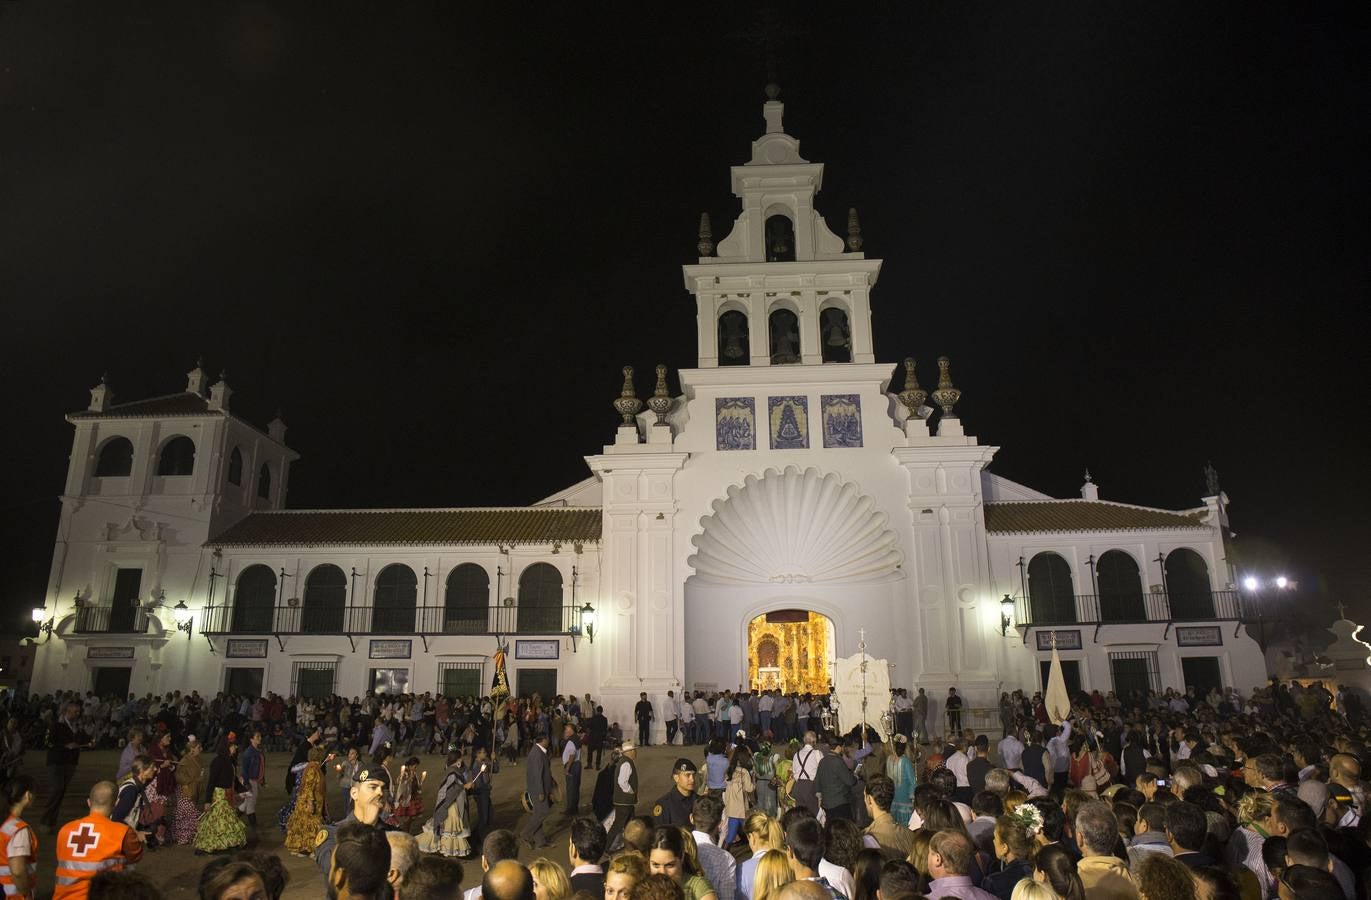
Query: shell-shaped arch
{"points": [[795, 527]]}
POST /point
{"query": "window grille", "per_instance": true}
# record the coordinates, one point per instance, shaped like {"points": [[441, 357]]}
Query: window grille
{"points": [[314, 680], [461, 679], [1134, 672]]}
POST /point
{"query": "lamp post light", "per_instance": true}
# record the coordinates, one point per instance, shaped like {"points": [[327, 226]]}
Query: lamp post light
{"points": [[185, 619], [40, 614], [588, 621], [1006, 614]]}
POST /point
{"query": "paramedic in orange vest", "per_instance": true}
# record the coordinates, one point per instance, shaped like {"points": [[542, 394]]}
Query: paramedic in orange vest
{"points": [[17, 868], [93, 844]]}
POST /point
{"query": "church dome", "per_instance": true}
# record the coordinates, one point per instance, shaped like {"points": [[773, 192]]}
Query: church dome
{"points": [[794, 527]]}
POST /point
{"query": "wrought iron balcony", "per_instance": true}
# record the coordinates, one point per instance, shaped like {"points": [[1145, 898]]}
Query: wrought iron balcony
{"points": [[124, 619], [424, 621], [1123, 609]]}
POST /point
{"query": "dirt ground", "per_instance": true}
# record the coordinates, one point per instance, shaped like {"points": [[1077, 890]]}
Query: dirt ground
{"points": [[176, 870]]}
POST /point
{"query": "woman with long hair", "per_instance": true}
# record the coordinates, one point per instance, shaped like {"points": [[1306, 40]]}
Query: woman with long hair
{"points": [[220, 828], [409, 794], [762, 833], [672, 853], [159, 796], [738, 793], [190, 784], [773, 873], [918, 857], [764, 774], [308, 816], [549, 881], [902, 767], [866, 874], [21, 848], [1055, 868], [1015, 849]]}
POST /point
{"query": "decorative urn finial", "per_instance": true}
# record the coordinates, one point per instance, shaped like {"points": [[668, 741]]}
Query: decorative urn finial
{"points": [[946, 396], [912, 396], [854, 231], [706, 242], [628, 404], [661, 398]]}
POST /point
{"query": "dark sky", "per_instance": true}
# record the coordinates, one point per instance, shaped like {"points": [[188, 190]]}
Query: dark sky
{"points": [[432, 235]]}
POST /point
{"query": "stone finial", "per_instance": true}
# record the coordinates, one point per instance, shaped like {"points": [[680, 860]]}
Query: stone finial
{"points": [[854, 231], [660, 401], [628, 405], [101, 396], [1089, 490], [195, 378], [912, 396], [1211, 480], [276, 428], [220, 392], [773, 109], [946, 396], [706, 242]]}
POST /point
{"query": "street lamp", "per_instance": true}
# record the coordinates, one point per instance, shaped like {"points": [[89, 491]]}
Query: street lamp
{"points": [[1251, 583], [1006, 614], [185, 619], [588, 621], [44, 627], [1282, 582]]}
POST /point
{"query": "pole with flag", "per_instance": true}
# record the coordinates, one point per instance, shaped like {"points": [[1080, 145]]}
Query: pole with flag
{"points": [[1057, 701]]}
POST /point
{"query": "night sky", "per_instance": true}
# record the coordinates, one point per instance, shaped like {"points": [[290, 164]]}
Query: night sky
{"points": [[432, 234]]}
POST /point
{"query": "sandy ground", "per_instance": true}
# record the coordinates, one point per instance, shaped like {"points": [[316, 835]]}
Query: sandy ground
{"points": [[176, 870]]}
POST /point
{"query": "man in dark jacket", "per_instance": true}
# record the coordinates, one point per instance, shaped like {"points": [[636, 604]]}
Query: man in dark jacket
{"points": [[597, 729], [538, 784], [834, 782], [65, 740]]}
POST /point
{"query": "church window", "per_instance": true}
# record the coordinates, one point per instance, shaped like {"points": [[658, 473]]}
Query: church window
{"points": [[785, 337], [1051, 597], [540, 600], [733, 339], [326, 590], [235, 467], [178, 457], [264, 482], [1187, 585], [397, 589], [780, 239], [466, 607], [835, 335], [254, 598], [116, 459], [1120, 586]]}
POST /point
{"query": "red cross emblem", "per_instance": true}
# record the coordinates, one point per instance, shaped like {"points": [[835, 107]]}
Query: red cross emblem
{"points": [[83, 839]]}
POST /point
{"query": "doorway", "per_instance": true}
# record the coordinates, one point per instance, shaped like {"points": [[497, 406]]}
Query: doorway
{"points": [[790, 650], [1202, 673], [243, 681], [542, 682], [111, 681], [389, 681], [124, 605], [1071, 674]]}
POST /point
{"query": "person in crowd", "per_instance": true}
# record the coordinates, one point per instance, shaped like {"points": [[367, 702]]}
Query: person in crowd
{"points": [[762, 833], [346, 771], [19, 853], [368, 803], [805, 845], [131, 798], [624, 785], [888, 834], [843, 840], [66, 739], [190, 786], [1105, 876], [538, 787], [549, 881], [432, 878], [740, 791], [675, 806], [949, 864], [667, 855], [1160, 877], [92, 844], [252, 763], [132, 747], [585, 850], [448, 832], [309, 812], [220, 828], [643, 714], [1056, 868], [772, 873], [1014, 848], [231, 879], [1186, 828], [404, 854], [716, 864], [866, 874], [409, 795], [622, 874], [358, 863]]}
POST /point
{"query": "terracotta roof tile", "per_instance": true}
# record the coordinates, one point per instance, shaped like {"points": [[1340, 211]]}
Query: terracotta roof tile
{"points": [[1080, 515], [412, 526], [183, 404]]}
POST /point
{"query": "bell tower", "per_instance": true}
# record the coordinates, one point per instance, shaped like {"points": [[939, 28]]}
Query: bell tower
{"points": [[781, 288]]}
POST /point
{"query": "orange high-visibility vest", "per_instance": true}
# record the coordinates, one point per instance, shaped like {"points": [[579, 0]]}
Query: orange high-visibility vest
{"points": [[13, 825], [85, 848]]}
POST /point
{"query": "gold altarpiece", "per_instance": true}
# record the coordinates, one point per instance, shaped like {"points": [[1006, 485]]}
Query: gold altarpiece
{"points": [[790, 651]]}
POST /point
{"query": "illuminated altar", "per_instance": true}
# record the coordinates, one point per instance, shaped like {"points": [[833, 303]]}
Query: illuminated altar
{"points": [[790, 651]]}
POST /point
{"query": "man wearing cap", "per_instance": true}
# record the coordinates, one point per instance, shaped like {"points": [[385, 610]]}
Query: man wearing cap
{"points": [[368, 795], [674, 807], [625, 792], [538, 784]]}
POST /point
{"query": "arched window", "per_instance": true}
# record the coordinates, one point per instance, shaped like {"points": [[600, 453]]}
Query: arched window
{"points": [[235, 467], [785, 337], [264, 482], [115, 460], [393, 608], [540, 600], [1121, 590], [733, 339], [780, 239], [466, 607], [835, 335], [1051, 597], [254, 598], [1187, 585], [326, 596], [178, 457]]}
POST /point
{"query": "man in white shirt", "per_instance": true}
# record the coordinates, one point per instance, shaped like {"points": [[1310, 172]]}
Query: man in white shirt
{"points": [[804, 767], [956, 763], [671, 714], [687, 720], [702, 711], [1059, 749], [765, 703], [1011, 751], [720, 868]]}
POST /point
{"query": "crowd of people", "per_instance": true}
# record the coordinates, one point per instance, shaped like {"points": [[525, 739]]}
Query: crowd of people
{"points": [[1165, 796]]}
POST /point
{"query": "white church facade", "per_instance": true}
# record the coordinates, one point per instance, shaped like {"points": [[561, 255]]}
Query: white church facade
{"points": [[791, 480]]}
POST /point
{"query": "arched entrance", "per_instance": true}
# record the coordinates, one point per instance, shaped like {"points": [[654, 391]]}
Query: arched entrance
{"points": [[790, 650]]}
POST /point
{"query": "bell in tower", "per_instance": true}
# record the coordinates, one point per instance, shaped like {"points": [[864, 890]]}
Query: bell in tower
{"points": [[780, 239]]}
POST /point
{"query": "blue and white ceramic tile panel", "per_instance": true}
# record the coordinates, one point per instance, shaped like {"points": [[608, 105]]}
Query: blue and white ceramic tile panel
{"points": [[842, 419], [788, 418], [735, 423]]}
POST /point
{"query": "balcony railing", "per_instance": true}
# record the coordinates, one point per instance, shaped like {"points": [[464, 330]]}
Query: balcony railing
{"points": [[1120, 609], [111, 620], [423, 620]]}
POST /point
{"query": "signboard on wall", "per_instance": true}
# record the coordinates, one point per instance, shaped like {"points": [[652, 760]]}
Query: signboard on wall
{"points": [[390, 649], [1066, 640], [1199, 636], [246, 649], [109, 653], [537, 649]]}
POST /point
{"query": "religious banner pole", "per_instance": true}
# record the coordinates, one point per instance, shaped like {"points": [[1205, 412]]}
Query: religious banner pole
{"points": [[1057, 701], [861, 648]]}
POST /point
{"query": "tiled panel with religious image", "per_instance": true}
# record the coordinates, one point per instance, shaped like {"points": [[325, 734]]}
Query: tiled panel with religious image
{"points": [[842, 418], [735, 423], [788, 418]]}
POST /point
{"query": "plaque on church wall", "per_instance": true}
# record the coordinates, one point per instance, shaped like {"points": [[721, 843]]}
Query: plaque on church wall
{"points": [[789, 422], [246, 649], [109, 653], [842, 415], [537, 649], [390, 649], [1199, 636], [1066, 640], [735, 423]]}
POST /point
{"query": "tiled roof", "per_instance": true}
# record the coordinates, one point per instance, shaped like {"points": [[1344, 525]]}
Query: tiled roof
{"points": [[1080, 515], [412, 526], [183, 404]]}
